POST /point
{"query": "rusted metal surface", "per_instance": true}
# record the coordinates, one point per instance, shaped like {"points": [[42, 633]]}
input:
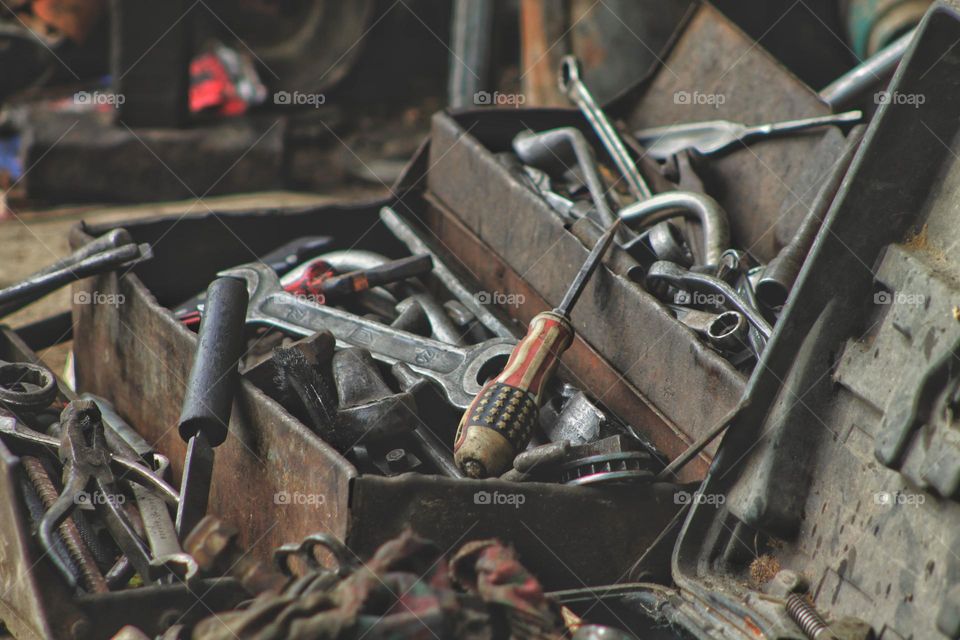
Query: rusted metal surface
{"points": [[567, 536], [618, 41], [653, 352], [543, 29], [808, 466], [716, 72]]}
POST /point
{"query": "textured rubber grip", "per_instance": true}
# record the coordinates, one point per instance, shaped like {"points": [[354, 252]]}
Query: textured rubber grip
{"points": [[499, 422], [509, 411]]}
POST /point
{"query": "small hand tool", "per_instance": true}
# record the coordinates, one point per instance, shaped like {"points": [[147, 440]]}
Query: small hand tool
{"points": [[112, 240], [666, 273], [571, 85], [86, 465], [713, 219], [69, 270], [558, 150], [282, 260], [25, 386], [499, 422], [20, 438], [402, 228], [455, 369], [213, 382], [327, 285], [716, 136], [167, 556]]}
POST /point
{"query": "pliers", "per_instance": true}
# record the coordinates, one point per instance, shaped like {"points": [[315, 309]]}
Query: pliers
{"points": [[88, 479]]}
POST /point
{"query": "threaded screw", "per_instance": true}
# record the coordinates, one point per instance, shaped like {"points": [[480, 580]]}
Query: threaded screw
{"points": [[807, 618], [91, 577]]}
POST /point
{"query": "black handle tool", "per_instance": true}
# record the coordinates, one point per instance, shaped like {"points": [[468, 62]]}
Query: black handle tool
{"points": [[209, 396]]}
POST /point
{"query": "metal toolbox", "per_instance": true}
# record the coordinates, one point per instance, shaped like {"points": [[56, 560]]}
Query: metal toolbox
{"points": [[138, 355], [687, 387], [35, 601]]}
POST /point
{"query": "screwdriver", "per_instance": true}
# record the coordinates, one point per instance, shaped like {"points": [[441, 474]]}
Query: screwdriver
{"points": [[499, 422]]}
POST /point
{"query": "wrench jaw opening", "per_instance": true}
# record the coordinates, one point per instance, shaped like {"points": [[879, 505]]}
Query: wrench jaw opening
{"points": [[181, 566]]}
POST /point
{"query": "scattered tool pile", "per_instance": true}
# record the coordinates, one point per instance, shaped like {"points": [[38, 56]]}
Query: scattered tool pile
{"points": [[400, 354]]}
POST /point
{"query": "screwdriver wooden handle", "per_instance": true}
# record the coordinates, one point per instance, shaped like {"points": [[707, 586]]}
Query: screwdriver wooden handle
{"points": [[499, 422]]}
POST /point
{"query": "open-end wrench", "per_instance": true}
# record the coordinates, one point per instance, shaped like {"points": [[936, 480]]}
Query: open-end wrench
{"points": [[167, 556], [457, 370], [571, 85]]}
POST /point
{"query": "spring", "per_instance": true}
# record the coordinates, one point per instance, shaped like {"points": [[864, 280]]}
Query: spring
{"points": [[806, 617]]}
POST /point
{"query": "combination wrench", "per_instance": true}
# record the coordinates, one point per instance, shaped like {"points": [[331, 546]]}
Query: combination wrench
{"points": [[572, 86], [457, 370]]}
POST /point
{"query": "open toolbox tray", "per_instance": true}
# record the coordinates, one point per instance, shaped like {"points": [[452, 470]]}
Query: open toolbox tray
{"points": [[138, 355], [845, 465], [764, 188]]}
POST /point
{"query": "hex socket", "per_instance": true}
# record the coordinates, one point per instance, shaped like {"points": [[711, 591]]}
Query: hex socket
{"points": [[214, 377]]}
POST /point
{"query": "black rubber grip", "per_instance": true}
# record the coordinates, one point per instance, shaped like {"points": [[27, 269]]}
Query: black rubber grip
{"points": [[213, 378]]}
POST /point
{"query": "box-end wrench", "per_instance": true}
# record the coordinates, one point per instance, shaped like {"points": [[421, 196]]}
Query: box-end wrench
{"points": [[457, 370], [572, 86]]}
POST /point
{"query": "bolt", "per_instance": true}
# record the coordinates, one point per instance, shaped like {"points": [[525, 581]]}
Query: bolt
{"points": [[215, 547], [396, 459]]}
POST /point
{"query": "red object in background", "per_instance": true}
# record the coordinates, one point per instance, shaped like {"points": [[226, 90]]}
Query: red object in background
{"points": [[307, 284], [212, 88]]}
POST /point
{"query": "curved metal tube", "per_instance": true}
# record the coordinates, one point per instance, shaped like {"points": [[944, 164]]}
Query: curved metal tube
{"points": [[716, 226]]}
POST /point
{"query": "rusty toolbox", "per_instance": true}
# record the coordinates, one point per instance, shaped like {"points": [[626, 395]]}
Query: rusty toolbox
{"points": [[764, 189], [127, 353], [832, 494]]}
